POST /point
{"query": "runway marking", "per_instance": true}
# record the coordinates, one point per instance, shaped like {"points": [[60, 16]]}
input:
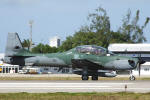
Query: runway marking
{"points": [[60, 85], [80, 88], [54, 86], [66, 83]]}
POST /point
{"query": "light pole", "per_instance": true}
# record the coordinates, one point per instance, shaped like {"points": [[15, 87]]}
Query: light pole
{"points": [[30, 23]]}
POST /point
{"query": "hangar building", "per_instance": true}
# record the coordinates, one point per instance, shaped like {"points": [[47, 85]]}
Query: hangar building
{"points": [[133, 50]]}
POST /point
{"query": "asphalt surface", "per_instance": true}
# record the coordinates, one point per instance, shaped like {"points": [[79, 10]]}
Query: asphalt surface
{"points": [[73, 86]]}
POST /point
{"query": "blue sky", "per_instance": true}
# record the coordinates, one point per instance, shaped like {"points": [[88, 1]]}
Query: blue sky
{"points": [[61, 17]]}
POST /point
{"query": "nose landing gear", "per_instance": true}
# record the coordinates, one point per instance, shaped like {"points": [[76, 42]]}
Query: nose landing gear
{"points": [[132, 77]]}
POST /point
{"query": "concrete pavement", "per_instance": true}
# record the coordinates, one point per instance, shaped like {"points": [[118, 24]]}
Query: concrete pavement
{"points": [[73, 86]]}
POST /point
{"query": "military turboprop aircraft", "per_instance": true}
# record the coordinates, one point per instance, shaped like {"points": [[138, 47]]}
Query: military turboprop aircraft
{"points": [[88, 58]]}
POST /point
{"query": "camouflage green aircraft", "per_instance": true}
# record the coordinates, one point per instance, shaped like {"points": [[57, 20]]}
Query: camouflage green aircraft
{"points": [[88, 58]]}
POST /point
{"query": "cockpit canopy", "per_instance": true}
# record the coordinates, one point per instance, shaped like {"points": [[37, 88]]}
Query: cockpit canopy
{"points": [[91, 49]]}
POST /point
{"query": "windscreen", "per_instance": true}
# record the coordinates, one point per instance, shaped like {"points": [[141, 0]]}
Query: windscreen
{"points": [[95, 50]]}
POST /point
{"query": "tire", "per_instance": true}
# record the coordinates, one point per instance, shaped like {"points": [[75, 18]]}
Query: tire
{"points": [[132, 78], [95, 77], [85, 77]]}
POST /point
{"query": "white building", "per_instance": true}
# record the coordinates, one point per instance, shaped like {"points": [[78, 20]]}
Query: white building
{"points": [[129, 47], [54, 42], [145, 70], [132, 50], [7, 68], [1, 56]]}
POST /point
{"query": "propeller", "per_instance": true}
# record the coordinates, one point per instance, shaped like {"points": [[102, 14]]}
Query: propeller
{"points": [[139, 69], [140, 62]]}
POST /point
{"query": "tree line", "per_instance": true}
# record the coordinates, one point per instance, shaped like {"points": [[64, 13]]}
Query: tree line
{"points": [[99, 32]]}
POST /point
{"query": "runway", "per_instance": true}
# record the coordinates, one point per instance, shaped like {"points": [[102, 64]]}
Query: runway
{"points": [[73, 86]]}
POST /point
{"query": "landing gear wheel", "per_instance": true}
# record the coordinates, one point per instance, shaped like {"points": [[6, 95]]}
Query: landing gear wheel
{"points": [[132, 78], [85, 77], [95, 77]]}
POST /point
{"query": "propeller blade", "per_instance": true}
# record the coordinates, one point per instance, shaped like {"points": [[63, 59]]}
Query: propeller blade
{"points": [[140, 62], [139, 70]]}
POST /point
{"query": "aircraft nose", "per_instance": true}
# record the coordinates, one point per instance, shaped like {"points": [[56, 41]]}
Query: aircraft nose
{"points": [[132, 63]]}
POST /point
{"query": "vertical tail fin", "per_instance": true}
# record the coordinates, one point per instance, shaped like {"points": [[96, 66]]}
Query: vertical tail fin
{"points": [[13, 44]]}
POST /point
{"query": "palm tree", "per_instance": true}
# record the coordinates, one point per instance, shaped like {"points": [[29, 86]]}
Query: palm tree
{"points": [[26, 43]]}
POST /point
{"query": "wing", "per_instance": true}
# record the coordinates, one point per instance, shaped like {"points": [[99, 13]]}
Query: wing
{"points": [[79, 63]]}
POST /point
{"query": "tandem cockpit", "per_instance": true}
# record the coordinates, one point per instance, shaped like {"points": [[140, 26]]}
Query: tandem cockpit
{"points": [[93, 49]]}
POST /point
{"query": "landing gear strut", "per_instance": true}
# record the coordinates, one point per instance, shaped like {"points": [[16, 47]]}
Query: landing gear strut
{"points": [[85, 73], [132, 78]]}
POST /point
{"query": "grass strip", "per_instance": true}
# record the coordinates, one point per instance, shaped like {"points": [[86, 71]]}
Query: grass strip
{"points": [[75, 96]]}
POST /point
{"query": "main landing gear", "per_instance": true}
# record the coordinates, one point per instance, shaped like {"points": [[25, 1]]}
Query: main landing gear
{"points": [[94, 77], [85, 75]]}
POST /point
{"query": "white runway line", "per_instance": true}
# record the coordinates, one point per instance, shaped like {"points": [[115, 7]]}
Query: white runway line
{"points": [[55, 86], [67, 83], [60, 85], [77, 88]]}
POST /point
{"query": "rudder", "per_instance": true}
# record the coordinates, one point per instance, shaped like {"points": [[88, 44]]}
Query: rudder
{"points": [[13, 44]]}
